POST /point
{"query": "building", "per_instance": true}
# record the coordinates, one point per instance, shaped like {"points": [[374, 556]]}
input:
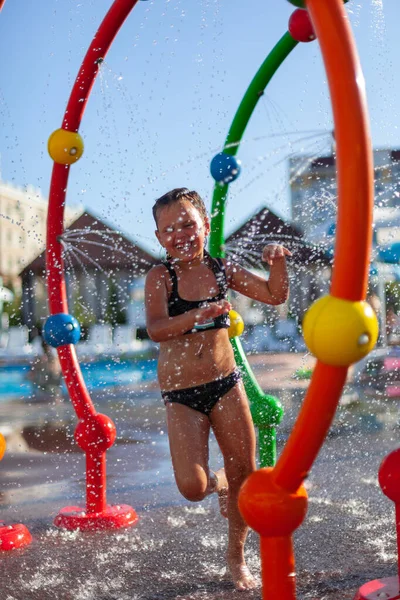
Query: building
{"points": [[105, 271], [23, 213], [314, 191], [309, 266], [314, 210], [101, 265]]}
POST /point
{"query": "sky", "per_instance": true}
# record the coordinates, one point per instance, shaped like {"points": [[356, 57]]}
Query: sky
{"points": [[166, 95]]}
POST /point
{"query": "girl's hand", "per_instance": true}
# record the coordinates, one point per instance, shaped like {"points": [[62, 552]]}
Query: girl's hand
{"points": [[212, 310], [274, 252]]}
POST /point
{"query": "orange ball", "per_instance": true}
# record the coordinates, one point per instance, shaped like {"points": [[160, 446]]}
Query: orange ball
{"points": [[269, 509], [2, 446]]}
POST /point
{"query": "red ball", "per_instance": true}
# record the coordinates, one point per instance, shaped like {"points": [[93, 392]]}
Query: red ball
{"points": [[389, 476], [96, 433], [300, 26]]}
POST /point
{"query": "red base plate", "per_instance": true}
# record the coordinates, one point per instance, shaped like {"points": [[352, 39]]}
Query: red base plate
{"points": [[380, 589], [14, 536], [113, 517]]}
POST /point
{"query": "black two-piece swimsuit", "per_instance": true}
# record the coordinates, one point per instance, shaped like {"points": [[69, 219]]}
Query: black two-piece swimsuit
{"points": [[203, 397]]}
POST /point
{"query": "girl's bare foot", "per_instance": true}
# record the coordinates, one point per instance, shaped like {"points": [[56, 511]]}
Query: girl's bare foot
{"points": [[222, 491], [240, 574]]}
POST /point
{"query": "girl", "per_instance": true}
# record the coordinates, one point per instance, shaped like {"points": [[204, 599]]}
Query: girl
{"points": [[187, 313]]}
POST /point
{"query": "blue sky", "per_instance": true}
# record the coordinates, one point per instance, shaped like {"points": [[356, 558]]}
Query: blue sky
{"points": [[166, 96]]}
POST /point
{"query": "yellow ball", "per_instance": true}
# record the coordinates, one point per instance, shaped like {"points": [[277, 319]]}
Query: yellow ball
{"points": [[2, 446], [340, 332], [65, 147], [237, 326]]}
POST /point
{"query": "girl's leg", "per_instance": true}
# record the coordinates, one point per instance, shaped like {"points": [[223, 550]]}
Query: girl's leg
{"points": [[188, 433], [233, 427]]}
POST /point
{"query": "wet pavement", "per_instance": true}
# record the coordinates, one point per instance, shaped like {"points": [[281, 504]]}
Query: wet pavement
{"points": [[176, 550]]}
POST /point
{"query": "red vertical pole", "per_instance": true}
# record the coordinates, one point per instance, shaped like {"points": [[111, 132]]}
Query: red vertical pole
{"points": [[95, 482], [278, 567]]}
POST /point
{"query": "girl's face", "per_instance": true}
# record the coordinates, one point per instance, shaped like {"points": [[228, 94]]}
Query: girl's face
{"points": [[181, 230]]}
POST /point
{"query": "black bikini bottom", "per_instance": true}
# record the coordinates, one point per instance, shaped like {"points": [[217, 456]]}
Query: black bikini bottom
{"points": [[203, 397]]}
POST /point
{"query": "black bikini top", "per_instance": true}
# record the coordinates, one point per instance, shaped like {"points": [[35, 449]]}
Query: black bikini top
{"points": [[178, 306]]}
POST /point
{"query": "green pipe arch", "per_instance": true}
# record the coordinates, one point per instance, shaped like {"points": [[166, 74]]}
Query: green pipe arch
{"points": [[267, 411]]}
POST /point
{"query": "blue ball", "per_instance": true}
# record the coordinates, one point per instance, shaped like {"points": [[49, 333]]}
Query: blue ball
{"points": [[224, 168], [61, 329]]}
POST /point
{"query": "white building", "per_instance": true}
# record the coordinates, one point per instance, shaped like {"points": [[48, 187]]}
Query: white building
{"points": [[314, 193], [23, 215], [314, 210]]}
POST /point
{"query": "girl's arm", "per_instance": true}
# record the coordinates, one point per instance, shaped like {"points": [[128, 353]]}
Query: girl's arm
{"points": [[275, 290], [160, 326]]}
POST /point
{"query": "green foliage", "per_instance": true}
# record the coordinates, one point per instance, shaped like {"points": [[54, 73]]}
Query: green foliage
{"points": [[114, 312], [393, 295], [14, 311], [303, 373], [84, 315]]}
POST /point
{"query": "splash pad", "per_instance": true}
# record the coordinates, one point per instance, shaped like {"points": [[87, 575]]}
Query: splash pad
{"points": [[98, 431]]}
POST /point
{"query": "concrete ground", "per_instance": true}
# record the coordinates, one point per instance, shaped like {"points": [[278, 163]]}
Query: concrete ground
{"points": [[176, 550]]}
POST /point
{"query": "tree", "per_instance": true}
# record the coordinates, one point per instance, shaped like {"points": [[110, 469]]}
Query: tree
{"points": [[115, 314]]}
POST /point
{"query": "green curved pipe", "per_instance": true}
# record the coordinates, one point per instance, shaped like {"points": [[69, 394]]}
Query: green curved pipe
{"points": [[267, 411], [253, 93]]}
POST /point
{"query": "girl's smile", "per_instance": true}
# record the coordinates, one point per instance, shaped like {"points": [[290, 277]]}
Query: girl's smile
{"points": [[181, 230]]}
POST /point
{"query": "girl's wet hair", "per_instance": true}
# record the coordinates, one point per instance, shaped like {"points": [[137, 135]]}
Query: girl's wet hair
{"points": [[180, 194]]}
